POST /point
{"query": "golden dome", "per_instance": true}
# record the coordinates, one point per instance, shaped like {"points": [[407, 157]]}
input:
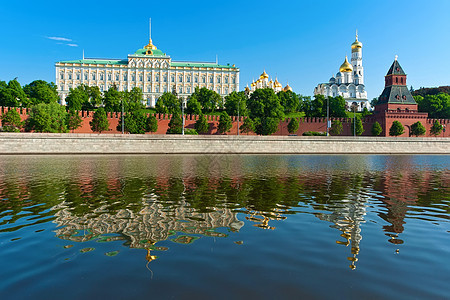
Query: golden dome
{"points": [[287, 88], [356, 44], [346, 66], [277, 83], [264, 75]]}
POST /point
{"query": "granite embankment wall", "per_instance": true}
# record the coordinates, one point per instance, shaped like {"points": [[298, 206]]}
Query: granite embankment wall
{"points": [[305, 124], [67, 143]]}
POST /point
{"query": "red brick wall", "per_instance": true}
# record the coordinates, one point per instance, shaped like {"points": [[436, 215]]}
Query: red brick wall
{"points": [[305, 124]]}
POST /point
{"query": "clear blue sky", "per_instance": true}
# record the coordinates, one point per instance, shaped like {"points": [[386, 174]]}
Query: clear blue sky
{"points": [[303, 42]]}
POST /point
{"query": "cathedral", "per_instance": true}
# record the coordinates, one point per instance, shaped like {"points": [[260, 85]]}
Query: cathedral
{"points": [[349, 81], [263, 82]]}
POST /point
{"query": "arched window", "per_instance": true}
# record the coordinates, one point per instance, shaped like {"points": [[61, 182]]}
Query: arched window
{"points": [[396, 79]]}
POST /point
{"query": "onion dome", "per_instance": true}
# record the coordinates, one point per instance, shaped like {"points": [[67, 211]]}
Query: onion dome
{"points": [[277, 83], [332, 79], [287, 88], [346, 66], [356, 44], [264, 75], [338, 74]]}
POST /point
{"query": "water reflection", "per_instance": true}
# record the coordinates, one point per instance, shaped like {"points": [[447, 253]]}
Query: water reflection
{"points": [[145, 200]]}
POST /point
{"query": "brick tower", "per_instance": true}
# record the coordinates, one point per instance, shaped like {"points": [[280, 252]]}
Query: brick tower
{"points": [[396, 102]]}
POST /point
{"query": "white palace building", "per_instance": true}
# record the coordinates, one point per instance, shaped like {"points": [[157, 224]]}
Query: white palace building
{"points": [[349, 81], [149, 69]]}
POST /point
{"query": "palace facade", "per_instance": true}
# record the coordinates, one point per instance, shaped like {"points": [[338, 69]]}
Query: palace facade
{"points": [[263, 82], [349, 81], [149, 69]]}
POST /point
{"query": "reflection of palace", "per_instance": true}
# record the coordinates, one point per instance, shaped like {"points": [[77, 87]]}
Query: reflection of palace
{"points": [[152, 224]]}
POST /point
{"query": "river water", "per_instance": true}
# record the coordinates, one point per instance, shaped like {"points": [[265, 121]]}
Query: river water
{"points": [[225, 226]]}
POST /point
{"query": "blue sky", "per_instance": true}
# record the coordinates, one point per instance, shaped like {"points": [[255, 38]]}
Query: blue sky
{"points": [[300, 42]]}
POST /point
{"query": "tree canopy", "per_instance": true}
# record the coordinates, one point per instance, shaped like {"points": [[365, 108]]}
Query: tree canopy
{"points": [[265, 110], [168, 103], [234, 101], [99, 121], [418, 129], [40, 91], [376, 129], [396, 129], [49, 117], [437, 106]]}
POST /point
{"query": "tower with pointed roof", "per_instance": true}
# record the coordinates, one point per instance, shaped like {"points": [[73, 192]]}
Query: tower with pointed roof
{"points": [[349, 81], [396, 102]]}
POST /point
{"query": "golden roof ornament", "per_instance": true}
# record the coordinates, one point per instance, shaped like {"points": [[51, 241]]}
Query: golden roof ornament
{"points": [[264, 75], [346, 66], [356, 44]]}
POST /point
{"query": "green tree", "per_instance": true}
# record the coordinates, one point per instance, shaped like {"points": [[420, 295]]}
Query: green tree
{"points": [[289, 100], [418, 129], [293, 126], [193, 107], [40, 91], [224, 123], [357, 126], [265, 110], [337, 107], [99, 121], [376, 129], [437, 106], [133, 100], [11, 121], [175, 125], [135, 122], [209, 100], [73, 120], [365, 112], [336, 128], [49, 117], [317, 107], [13, 95], [374, 102], [152, 123], [436, 129], [247, 126], [113, 100], [201, 125], [168, 103], [236, 100], [396, 129], [77, 98]]}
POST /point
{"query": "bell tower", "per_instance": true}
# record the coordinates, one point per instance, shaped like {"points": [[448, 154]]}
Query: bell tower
{"points": [[358, 70]]}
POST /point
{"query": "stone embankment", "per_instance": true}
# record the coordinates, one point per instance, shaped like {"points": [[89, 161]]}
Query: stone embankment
{"points": [[66, 143]]}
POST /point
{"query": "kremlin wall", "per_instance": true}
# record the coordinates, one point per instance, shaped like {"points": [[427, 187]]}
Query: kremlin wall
{"points": [[406, 117]]}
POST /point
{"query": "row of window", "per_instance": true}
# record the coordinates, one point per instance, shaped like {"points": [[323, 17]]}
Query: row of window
{"points": [[180, 89], [149, 78]]}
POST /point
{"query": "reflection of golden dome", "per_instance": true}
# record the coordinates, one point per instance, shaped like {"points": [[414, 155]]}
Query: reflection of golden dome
{"points": [[287, 88], [346, 66], [264, 75]]}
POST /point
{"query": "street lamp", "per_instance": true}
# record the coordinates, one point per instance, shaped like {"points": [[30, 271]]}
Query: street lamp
{"points": [[123, 120], [354, 120], [328, 116], [182, 115], [239, 104]]}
